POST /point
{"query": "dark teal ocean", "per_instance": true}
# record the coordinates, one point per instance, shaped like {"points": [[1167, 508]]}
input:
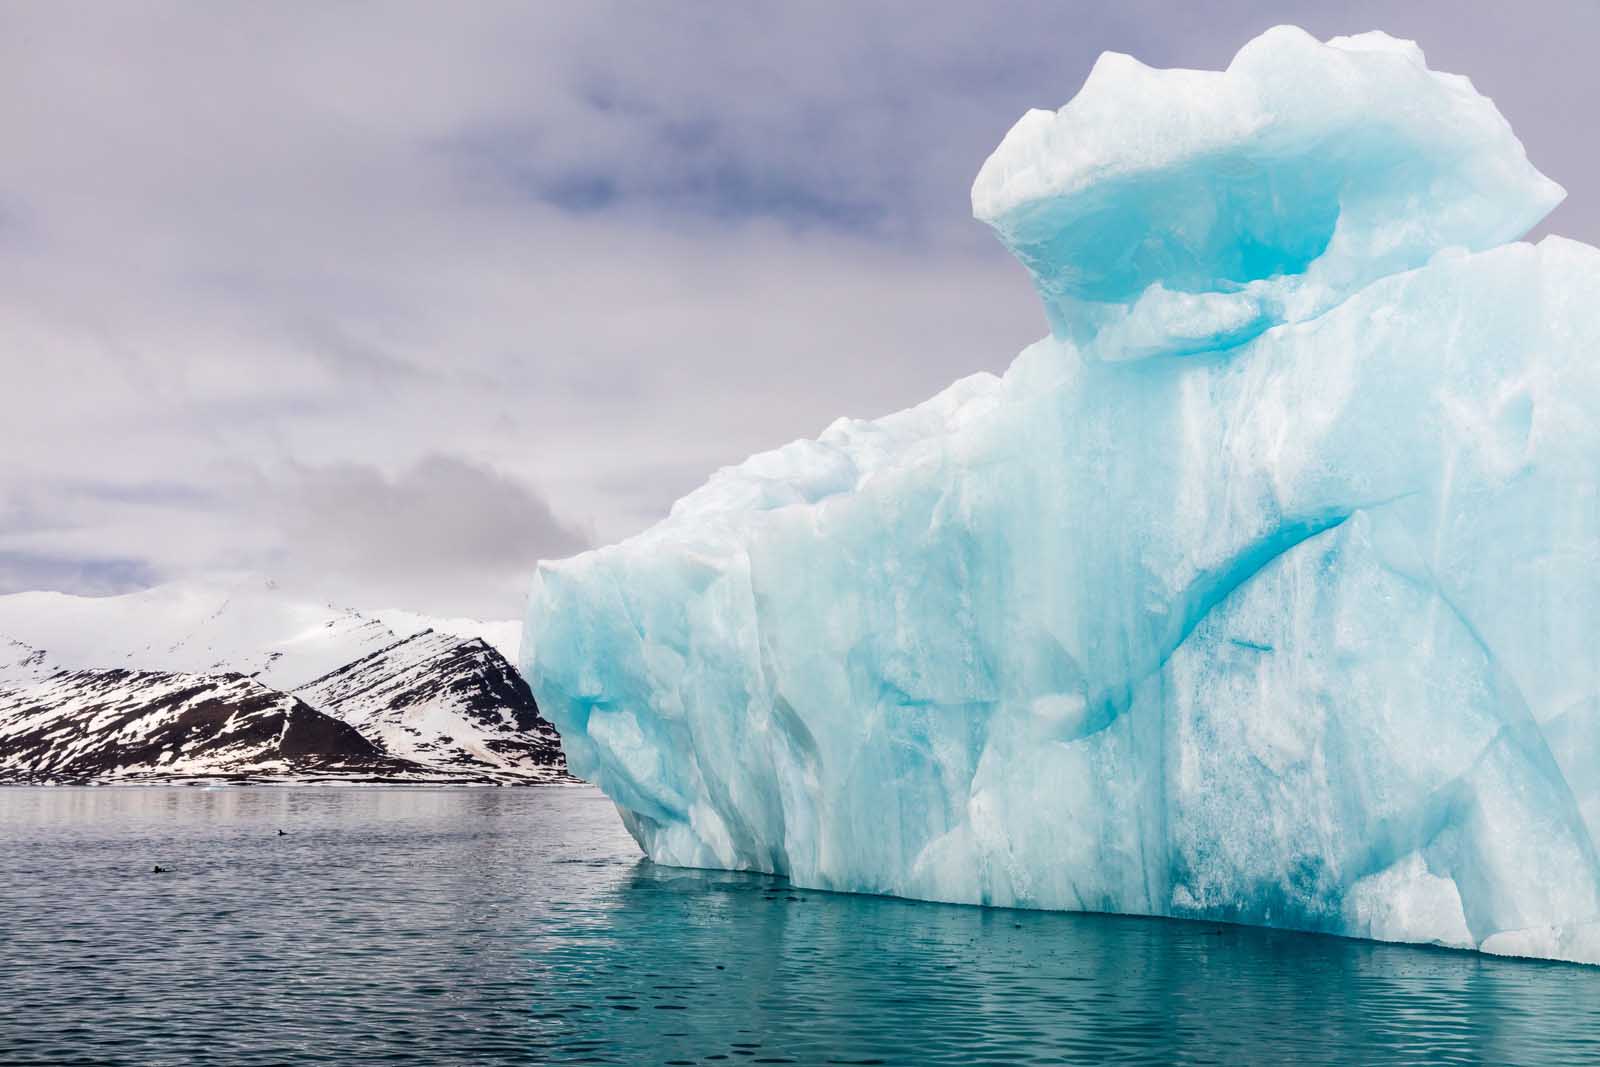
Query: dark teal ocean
{"points": [[438, 927]]}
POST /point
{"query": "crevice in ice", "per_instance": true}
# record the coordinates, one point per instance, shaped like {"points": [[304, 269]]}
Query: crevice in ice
{"points": [[1203, 594], [1214, 586]]}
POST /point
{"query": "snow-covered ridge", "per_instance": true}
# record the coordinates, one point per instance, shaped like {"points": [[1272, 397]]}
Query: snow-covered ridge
{"points": [[502, 635], [444, 702]]}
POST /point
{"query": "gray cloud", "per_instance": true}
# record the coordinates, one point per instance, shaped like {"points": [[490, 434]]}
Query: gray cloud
{"points": [[86, 577], [462, 536], [287, 253]]}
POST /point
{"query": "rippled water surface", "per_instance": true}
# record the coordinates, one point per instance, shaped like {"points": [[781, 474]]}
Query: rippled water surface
{"points": [[415, 926]]}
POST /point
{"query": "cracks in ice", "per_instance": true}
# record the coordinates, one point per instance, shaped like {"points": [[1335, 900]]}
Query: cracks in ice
{"points": [[1518, 728], [1208, 590], [1202, 596]]}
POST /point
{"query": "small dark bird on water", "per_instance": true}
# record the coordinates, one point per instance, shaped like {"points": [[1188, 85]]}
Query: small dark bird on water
{"points": [[283, 833], [161, 870]]}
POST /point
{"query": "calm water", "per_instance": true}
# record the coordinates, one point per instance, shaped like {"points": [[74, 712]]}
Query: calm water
{"points": [[520, 927]]}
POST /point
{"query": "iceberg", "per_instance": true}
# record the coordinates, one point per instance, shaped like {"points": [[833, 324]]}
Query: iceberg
{"points": [[1264, 589]]}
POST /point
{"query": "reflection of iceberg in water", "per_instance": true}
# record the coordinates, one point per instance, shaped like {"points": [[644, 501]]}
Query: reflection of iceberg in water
{"points": [[1264, 589], [662, 965]]}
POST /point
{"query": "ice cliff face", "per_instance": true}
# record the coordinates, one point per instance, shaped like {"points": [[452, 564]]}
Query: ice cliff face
{"points": [[1265, 589]]}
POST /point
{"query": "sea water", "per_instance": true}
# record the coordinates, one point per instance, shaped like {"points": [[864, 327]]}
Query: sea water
{"points": [[520, 926]]}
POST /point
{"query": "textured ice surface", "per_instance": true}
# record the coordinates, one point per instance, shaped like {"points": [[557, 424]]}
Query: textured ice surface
{"points": [[1179, 210], [1264, 589]]}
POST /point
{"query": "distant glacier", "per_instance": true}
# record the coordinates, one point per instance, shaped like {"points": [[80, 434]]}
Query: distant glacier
{"points": [[1265, 589]]}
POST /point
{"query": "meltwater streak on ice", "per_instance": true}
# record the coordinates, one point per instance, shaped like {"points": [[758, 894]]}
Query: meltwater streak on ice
{"points": [[1264, 589]]}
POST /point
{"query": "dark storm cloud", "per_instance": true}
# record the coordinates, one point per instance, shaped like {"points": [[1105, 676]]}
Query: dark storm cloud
{"points": [[290, 252]]}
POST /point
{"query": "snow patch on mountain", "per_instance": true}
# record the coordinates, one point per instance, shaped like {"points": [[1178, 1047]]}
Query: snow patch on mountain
{"points": [[22, 664]]}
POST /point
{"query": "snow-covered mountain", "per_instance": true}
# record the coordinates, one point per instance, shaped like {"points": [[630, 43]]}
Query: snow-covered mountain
{"points": [[206, 679], [446, 703]]}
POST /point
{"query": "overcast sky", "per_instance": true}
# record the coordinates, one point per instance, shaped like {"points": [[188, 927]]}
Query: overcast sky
{"points": [[391, 300]]}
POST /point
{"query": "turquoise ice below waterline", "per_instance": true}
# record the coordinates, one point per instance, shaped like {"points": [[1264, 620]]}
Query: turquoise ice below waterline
{"points": [[1264, 589]]}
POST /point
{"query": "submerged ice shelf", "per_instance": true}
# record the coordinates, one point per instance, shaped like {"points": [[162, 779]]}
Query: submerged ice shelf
{"points": [[1265, 588]]}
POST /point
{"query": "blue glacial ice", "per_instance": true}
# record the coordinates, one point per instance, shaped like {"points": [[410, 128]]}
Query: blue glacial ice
{"points": [[1265, 589]]}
